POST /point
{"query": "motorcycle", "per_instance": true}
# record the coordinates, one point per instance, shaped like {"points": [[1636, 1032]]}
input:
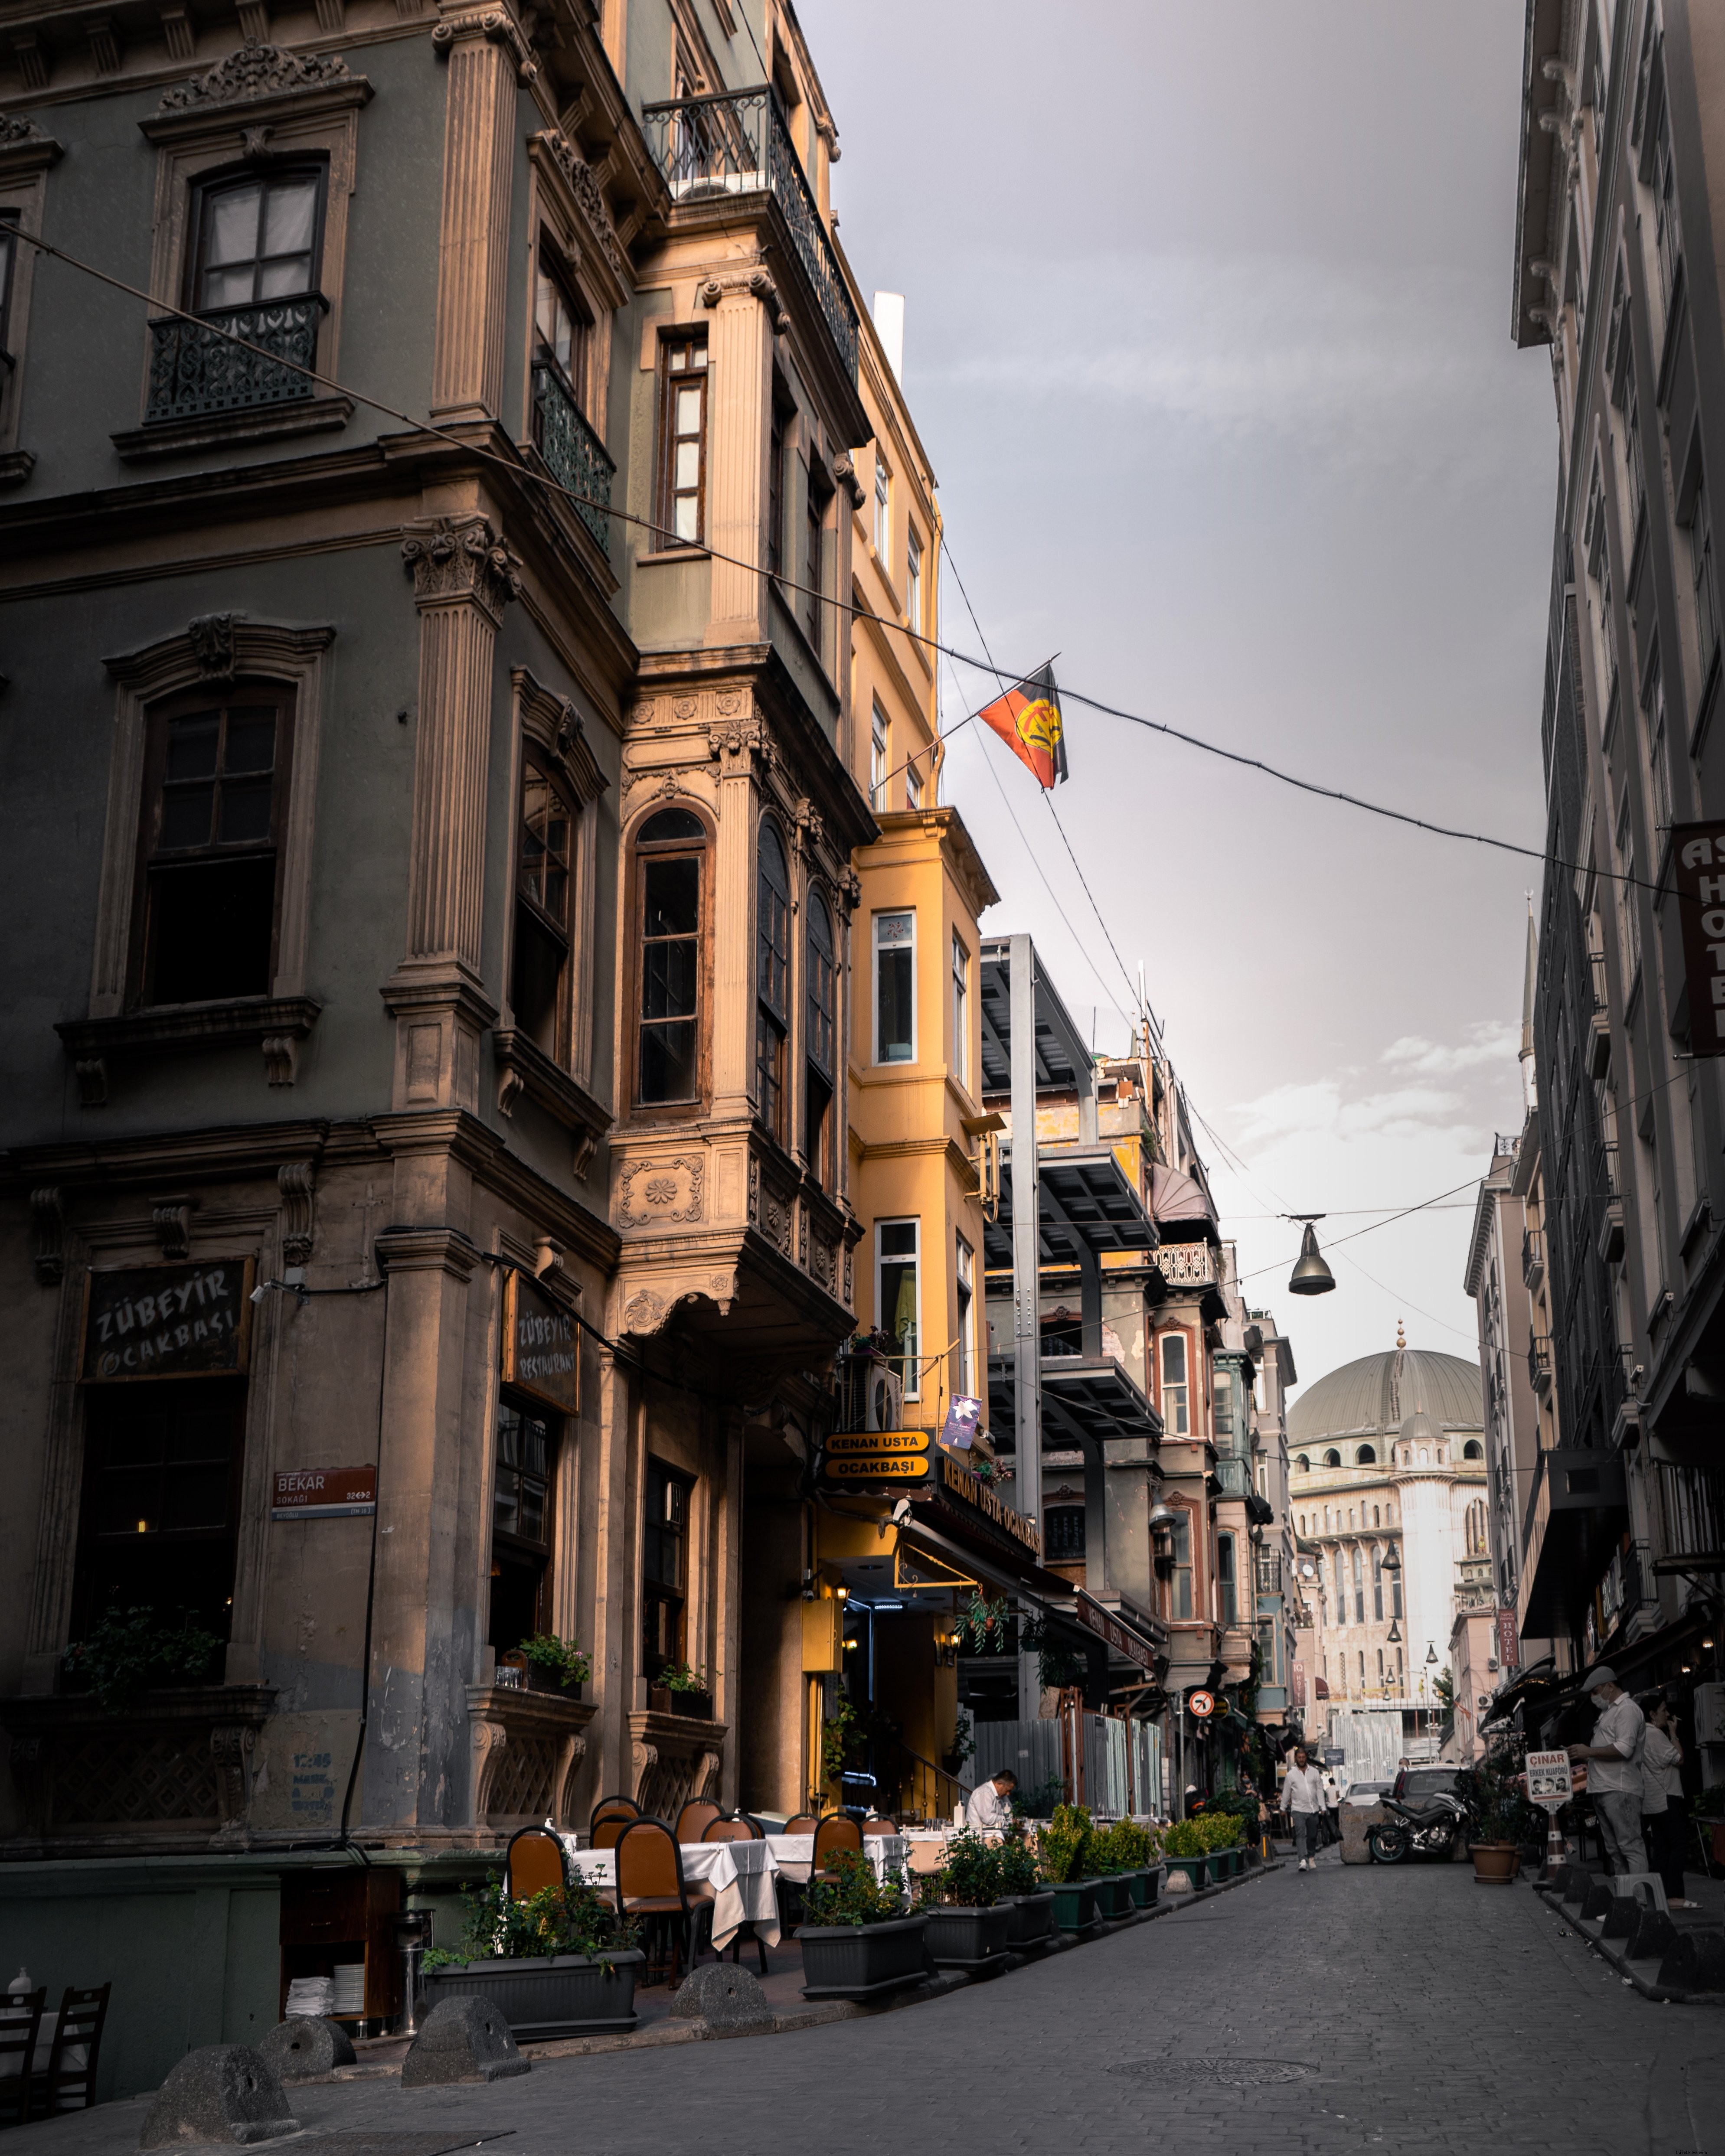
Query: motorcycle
{"points": [[1429, 1828]]}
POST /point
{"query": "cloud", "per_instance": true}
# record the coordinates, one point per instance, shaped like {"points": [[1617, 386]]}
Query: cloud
{"points": [[1489, 1041]]}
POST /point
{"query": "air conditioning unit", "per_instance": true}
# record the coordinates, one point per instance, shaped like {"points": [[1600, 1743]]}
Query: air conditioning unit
{"points": [[884, 1399], [1710, 1713]]}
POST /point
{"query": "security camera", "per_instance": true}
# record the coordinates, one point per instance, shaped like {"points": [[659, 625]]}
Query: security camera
{"points": [[902, 1513]]}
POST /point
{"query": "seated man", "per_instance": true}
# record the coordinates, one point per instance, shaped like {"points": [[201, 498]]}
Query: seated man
{"points": [[989, 1811]]}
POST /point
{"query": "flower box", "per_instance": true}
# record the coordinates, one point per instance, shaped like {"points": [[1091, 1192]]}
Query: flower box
{"points": [[1032, 1919], [1196, 1869], [1144, 1885], [861, 1961], [1074, 1905], [972, 1939], [692, 1706], [557, 1995], [1114, 1895]]}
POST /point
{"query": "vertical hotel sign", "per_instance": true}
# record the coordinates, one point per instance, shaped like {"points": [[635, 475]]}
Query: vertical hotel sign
{"points": [[541, 1346], [1698, 870]]}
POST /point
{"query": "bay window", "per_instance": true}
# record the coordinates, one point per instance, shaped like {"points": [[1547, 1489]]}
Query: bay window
{"points": [[894, 988]]}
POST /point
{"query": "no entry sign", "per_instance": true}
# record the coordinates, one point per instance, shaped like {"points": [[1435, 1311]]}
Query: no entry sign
{"points": [[1203, 1704]]}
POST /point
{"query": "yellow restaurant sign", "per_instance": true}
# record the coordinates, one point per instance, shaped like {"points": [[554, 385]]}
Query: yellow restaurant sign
{"points": [[865, 1456]]}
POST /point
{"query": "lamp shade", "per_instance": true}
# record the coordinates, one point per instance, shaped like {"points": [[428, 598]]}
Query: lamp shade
{"points": [[1310, 1276]]}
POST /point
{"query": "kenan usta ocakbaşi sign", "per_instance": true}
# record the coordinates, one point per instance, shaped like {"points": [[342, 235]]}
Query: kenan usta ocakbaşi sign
{"points": [[185, 1320]]}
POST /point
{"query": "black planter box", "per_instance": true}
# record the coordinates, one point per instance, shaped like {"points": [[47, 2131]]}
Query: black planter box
{"points": [[969, 1938], [861, 1961], [1032, 1919], [692, 1706], [1114, 1895], [1144, 1885], [1076, 1905], [559, 1995]]}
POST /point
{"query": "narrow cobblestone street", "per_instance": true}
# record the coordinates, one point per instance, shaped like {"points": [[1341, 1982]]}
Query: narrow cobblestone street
{"points": [[1354, 2008]]}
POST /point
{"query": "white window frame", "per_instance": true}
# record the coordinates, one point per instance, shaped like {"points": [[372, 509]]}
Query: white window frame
{"points": [[960, 1011], [913, 578], [891, 913], [880, 735], [1182, 1385], [913, 1367], [964, 1275], [883, 512]]}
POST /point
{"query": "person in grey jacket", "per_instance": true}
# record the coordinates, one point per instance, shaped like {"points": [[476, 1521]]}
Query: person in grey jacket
{"points": [[1303, 1800]]}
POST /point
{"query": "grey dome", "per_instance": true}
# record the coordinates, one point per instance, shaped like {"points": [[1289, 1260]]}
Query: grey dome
{"points": [[1375, 1396]]}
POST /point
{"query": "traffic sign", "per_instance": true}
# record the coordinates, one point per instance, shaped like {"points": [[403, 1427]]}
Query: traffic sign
{"points": [[1203, 1704]]}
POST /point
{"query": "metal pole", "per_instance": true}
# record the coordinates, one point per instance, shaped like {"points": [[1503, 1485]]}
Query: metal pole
{"points": [[1026, 1266]]}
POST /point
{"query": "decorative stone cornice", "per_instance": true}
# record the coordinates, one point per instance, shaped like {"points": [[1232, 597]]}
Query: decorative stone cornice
{"points": [[452, 558], [19, 128], [497, 24], [731, 740], [255, 71], [589, 196], [759, 282]]}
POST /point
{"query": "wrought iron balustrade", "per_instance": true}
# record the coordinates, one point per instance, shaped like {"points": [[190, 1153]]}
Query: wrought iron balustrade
{"points": [[1532, 1257], [1269, 1571], [1596, 966], [1539, 1362], [1186, 1264], [736, 143], [197, 367], [573, 453]]}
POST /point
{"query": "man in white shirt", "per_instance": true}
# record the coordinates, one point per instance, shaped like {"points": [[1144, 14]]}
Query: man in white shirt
{"points": [[1613, 1770], [1302, 1798], [989, 1811]]}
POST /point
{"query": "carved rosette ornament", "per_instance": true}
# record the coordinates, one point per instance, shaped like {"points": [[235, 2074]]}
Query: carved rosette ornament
{"points": [[255, 70], [458, 559]]}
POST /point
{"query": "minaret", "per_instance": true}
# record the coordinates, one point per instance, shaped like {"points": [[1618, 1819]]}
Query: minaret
{"points": [[1530, 1088]]}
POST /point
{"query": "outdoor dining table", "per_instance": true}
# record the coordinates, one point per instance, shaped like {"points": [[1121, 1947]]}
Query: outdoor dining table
{"points": [[794, 1853], [740, 1874]]}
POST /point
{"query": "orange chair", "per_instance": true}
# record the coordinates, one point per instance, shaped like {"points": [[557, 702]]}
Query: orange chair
{"points": [[801, 1823], [652, 1890], [610, 1815], [876, 1825], [534, 1861], [729, 1830], [837, 1830], [692, 1819]]}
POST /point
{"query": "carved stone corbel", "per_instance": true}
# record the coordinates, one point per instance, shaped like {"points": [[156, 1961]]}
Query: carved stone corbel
{"points": [[49, 1213], [92, 1082], [490, 1741], [845, 471], [211, 637], [172, 1218], [297, 1182], [452, 558], [572, 1751], [643, 1759], [281, 1058]]}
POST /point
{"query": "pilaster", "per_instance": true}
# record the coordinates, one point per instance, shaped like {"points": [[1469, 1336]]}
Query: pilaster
{"points": [[486, 55], [740, 367]]}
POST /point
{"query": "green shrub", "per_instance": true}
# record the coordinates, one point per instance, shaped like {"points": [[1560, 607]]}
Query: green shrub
{"points": [[1131, 1847], [1218, 1829], [971, 1877], [1063, 1845], [855, 1896], [130, 1651], [1018, 1874], [1184, 1838]]}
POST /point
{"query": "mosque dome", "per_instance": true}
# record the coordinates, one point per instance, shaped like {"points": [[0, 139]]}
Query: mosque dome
{"points": [[1376, 1395]]}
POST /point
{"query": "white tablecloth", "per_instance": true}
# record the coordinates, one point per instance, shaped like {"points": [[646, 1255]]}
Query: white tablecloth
{"points": [[740, 1874], [794, 1853]]}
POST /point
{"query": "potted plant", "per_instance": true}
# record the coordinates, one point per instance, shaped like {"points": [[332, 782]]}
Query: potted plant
{"points": [[1183, 1844], [1061, 1847], [1108, 1862], [967, 1922], [132, 1651], [857, 1941], [1220, 1832], [552, 1665], [1133, 1849], [679, 1690], [559, 1964], [1495, 1804], [1023, 1890]]}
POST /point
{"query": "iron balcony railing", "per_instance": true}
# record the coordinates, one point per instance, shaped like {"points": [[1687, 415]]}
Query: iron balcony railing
{"points": [[197, 367], [574, 456], [1596, 966], [1186, 1264], [735, 142], [1532, 1257], [1539, 1362], [1269, 1570]]}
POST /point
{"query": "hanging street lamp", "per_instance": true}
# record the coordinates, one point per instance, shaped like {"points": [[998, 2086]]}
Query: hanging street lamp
{"points": [[1310, 1276]]}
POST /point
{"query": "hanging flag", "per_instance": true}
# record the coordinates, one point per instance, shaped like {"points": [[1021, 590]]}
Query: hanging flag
{"points": [[1028, 720]]}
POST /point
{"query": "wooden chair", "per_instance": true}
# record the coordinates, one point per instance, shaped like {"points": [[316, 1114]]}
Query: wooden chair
{"points": [[534, 1861], [20, 2026], [692, 1819], [69, 2084], [651, 1890], [837, 1830]]}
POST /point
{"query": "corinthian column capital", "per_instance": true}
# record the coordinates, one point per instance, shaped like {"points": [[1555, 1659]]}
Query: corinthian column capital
{"points": [[456, 558]]}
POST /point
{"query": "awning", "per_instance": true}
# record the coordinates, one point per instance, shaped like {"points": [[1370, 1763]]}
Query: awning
{"points": [[1180, 1209]]}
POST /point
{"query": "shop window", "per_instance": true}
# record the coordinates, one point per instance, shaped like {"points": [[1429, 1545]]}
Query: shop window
{"points": [[821, 1139], [521, 1523], [894, 988], [1227, 1585], [215, 787], [540, 968], [961, 1012], [898, 1303], [256, 238], [670, 866], [964, 1367], [773, 946], [1064, 1527], [682, 440], [665, 1569], [1175, 1411], [161, 1500]]}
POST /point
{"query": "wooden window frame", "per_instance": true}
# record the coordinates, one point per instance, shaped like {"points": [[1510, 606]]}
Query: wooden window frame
{"points": [[898, 1062], [910, 1365], [705, 848], [24, 167], [507, 1542], [535, 764], [654, 1590], [774, 947], [224, 180], [665, 537]]}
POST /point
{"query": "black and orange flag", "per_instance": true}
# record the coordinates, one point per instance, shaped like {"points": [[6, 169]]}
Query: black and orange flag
{"points": [[1028, 720]]}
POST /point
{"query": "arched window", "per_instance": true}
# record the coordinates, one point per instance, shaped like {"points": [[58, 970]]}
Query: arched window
{"points": [[1340, 1591], [1374, 1516], [1389, 1516], [1365, 1457], [1473, 1449], [1359, 1599], [670, 852], [772, 949], [823, 1037], [1302, 1462], [1377, 1583], [1332, 1458]]}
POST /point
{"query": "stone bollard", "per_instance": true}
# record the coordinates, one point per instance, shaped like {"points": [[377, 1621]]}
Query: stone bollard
{"points": [[223, 2092], [723, 1996], [1695, 1961], [1358, 1821], [305, 2050], [462, 2039]]}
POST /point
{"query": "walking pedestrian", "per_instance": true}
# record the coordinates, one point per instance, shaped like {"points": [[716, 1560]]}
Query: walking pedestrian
{"points": [[1302, 1798], [1664, 1813], [1613, 1770]]}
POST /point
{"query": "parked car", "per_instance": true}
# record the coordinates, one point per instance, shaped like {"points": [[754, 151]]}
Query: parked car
{"points": [[1424, 1782], [1367, 1792]]}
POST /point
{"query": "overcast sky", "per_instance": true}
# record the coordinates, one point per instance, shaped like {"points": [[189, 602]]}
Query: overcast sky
{"points": [[1207, 338]]}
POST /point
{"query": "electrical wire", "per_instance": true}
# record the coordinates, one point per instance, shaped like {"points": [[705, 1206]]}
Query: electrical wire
{"points": [[520, 471]]}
